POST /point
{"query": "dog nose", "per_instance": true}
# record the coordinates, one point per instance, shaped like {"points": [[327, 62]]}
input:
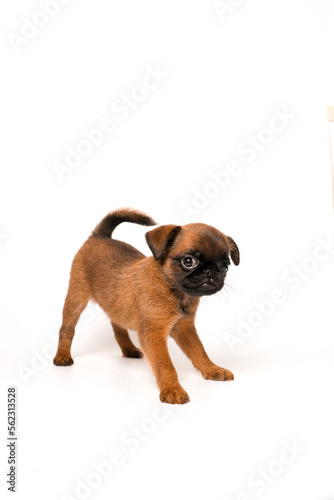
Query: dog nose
{"points": [[208, 273]]}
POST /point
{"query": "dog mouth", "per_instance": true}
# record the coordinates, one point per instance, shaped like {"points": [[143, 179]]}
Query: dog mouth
{"points": [[205, 281], [204, 288]]}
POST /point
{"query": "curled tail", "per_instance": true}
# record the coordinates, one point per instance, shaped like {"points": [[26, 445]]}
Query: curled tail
{"points": [[105, 228]]}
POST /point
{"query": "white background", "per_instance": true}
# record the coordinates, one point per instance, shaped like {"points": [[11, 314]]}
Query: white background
{"points": [[226, 75]]}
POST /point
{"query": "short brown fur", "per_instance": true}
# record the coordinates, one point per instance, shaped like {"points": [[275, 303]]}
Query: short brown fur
{"points": [[145, 294]]}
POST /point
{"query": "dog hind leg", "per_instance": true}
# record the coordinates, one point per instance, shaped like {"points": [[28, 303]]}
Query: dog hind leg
{"points": [[129, 350], [76, 300]]}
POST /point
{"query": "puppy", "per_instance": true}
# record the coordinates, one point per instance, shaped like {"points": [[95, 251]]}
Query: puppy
{"points": [[157, 296]]}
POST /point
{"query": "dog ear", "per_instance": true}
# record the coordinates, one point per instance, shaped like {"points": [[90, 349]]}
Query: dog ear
{"points": [[161, 238], [234, 251]]}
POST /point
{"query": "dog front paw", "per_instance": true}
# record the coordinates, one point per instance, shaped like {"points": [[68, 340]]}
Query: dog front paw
{"points": [[63, 360], [218, 373], [174, 395]]}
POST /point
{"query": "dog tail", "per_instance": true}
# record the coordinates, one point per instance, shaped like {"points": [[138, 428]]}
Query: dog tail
{"points": [[105, 228]]}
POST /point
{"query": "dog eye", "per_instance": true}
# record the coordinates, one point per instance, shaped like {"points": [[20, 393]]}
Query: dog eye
{"points": [[225, 266], [189, 262]]}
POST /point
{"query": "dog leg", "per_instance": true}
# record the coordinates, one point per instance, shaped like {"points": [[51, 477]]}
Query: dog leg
{"points": [[154, 345], [75, 303], [185, 335], [129, 350]]}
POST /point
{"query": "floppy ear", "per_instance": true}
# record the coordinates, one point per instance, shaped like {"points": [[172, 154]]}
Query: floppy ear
{"points": [[161, 238], [234, 251]]}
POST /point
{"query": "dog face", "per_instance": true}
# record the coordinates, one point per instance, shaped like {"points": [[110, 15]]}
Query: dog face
{"points": [[195, 257]]}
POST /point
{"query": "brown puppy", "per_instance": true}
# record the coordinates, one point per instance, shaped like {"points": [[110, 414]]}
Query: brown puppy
{"points": [[156, 296]]}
